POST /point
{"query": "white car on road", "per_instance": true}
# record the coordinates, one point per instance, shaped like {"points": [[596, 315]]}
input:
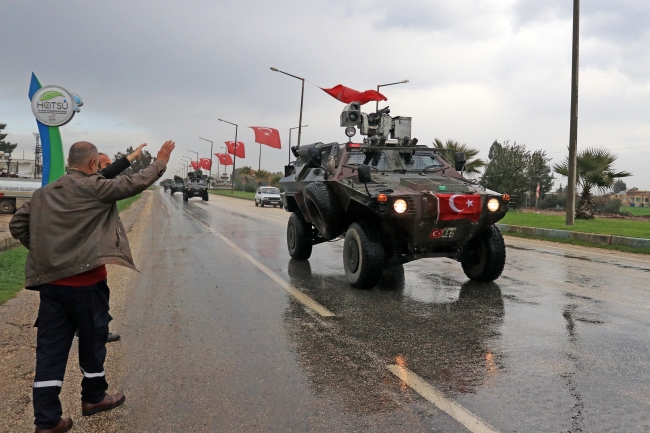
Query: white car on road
{"points": [[268, 195]]}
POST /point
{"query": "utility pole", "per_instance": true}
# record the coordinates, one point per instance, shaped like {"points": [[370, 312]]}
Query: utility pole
{"points": [[573, 133]]}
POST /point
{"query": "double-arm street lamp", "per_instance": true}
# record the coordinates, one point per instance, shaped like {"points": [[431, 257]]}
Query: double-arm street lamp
{"points": [[211, 145], [384, 85], [186, 161], [302, 94], [234, 164], [197, 155], [295, 127]]}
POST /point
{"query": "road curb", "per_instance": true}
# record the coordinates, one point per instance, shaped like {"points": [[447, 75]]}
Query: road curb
{"points": [[585, 237]]}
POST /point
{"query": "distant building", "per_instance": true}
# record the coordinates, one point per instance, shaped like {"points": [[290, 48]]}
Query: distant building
{"points": [[635, 198], [21, 167]]}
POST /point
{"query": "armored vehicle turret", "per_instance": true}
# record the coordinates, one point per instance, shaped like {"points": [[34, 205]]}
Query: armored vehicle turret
{"points": [[391, 201]]}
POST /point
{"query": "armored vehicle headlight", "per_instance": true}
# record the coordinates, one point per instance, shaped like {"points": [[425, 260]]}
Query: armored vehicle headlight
{"points": [[493, 205], [350, 131], [400, 205]]}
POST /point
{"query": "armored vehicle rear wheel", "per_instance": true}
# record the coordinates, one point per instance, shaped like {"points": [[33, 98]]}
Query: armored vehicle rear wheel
{"points": [[7, 207], [185, 197], [324, 210], [299, 237], [363, 256], [484, 257]]}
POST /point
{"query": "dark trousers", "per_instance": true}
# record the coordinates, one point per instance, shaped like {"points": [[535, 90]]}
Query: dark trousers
{"points": [[62, 311]]}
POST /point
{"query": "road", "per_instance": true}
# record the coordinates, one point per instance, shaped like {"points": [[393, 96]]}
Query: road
{"points": [[223, 332]]}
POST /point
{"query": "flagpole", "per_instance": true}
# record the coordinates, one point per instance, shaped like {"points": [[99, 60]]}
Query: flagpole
{"points": [[259, 162], [384, 85], [234, 164], [302, 95], [211, 145]]}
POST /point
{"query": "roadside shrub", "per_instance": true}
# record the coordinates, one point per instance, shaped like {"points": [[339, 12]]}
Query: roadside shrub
{"points": [[553, 201], [607, 206], [249, 188], [239, 186]]}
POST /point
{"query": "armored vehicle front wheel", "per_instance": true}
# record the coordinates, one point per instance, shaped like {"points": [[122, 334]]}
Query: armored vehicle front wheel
{"points": [[206, 197], [484, 257], [363, 256], [185, 197], [299, 237], [324, 210]]}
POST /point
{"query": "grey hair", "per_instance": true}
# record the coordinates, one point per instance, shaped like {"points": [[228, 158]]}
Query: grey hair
{"points": [[81, 153]]}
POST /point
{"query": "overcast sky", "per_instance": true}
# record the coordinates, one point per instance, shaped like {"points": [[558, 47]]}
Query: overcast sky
{"points": [[479, 70]]}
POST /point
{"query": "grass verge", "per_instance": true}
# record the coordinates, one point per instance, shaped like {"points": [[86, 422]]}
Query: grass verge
{"points": [[12, 272], [12, 263], [123, 205], [602, 226], [637, 211], [581, 243], [236, 194]]}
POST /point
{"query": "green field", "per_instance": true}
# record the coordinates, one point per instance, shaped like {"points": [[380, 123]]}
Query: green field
{"points": [[583, 243], [636, 211], [634, 229], [12, 272], [236, 194], [12, 263]]}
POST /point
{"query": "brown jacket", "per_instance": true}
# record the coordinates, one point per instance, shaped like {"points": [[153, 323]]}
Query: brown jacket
{"points": [[72, 225]]}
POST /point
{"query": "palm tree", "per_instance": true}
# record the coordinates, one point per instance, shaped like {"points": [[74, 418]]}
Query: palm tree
{"points": [[448, 151], [594, 169], [246, 172], [275, 179], [262, 175]]}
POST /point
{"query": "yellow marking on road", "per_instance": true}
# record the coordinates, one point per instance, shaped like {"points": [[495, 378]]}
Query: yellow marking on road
{"points": [[473, 423]]}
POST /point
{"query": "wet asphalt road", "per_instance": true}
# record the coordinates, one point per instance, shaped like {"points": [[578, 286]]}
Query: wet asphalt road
{"points": [[559, 343]]}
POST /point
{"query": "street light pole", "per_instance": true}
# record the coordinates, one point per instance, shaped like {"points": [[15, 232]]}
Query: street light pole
{"points": [[302, 95], [187, 158], [384, 85], [573, 129], [295, 127], [197, 155], [234, 164], [211, 145]]}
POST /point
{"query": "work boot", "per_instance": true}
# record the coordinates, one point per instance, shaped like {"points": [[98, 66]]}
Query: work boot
{"points": [[64, 425], [112, 337], [109, 402]]}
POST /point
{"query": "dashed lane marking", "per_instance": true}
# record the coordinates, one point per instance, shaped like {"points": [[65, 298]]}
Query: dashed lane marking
{"points": [[473, 423]]}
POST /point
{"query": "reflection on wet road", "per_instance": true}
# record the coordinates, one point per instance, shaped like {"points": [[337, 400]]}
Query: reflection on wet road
{"points": [[559, 343]]}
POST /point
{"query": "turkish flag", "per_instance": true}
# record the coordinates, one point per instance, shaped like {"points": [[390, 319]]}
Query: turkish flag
{"points": [[347, 95], [453, 207], [224, 158], [268, 136], [206, 163], [195, 165], [241, 150]]}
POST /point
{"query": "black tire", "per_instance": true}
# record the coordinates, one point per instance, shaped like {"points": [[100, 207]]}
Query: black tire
{"points": [[363, 256], [261, 203], [7, 207], [256, 203], [185, 197], [299, 237], [324, 210], [206, 197], [484, 257]]}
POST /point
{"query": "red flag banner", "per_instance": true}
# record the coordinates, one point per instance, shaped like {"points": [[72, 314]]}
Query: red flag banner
{"points": [[195, 165], [224, 158], [537, 191], [459, 206], [206, 163], [347, 95], [241, 150], [268, 136]]}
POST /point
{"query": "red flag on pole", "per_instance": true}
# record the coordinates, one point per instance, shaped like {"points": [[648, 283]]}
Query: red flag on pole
{"points": [[459, 206], [224, 158], [241, 150], [206, 163], [347, 95], [537, 191], [195, 165], [268, 136]]}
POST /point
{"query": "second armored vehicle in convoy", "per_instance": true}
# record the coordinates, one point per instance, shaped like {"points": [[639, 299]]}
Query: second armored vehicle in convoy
{"points": [[391, 201], [176, 185], [195, 186]]}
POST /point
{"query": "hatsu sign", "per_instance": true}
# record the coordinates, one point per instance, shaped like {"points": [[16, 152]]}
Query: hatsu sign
{"points": [[55, 106]]}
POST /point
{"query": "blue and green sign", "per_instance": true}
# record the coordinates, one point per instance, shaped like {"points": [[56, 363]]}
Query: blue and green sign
{"points": [[53, 106]]}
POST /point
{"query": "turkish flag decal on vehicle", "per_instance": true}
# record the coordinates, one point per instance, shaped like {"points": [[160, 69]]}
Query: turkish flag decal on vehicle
{"points": [[268, 136], [459, 206]]}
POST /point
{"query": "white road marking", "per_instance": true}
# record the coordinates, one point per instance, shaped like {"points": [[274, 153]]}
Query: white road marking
{"points": [[473, 423]]}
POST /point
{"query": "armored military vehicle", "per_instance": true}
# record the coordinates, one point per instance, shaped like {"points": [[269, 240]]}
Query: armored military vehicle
{"points": [[166, 183], [392, 201], [196, 185], [177, 185]]}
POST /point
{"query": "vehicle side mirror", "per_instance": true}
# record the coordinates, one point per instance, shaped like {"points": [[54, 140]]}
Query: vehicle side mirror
{"points": [[460, 161], [363, 172]]}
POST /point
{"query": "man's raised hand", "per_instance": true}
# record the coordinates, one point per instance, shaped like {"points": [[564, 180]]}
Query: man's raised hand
{"points": [[136, 153], [166, 150]]}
